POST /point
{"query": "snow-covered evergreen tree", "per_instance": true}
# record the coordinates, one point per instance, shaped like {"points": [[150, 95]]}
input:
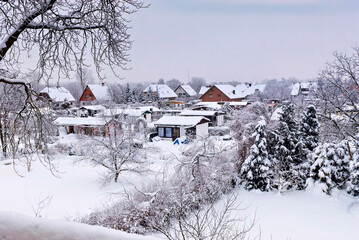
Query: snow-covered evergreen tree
{"points": [[309, 129], [321, 167], [256, 172], [127, 94], [289, 152], [341, 165], [331, 165], [308, 135], [353, 182]]}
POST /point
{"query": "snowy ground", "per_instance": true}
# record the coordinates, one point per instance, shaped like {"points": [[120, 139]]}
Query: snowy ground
{"points": [[295, 215], [301, 215], [14, 226]]}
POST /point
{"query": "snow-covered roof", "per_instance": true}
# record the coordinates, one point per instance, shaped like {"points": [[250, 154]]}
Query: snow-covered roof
{"points": [[94, 107], [203, 90], [238, 103], [239, 91], [197, 113], [212, 105], [121, 111], [71, 121], [100, 92], [276, 114], [189, 90], [295, 89], [148, 108], [58, 94], [179, 121], [162, 90]]}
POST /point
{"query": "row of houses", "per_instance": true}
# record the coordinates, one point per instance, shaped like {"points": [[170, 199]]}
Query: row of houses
{"points": [[168, 125], [60, 96], [194, 121]]}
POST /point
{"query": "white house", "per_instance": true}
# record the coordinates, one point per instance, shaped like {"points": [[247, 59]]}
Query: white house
{"points": [[56, 96], [172, 127], [161, 91], [303, 91], [185, 91]]}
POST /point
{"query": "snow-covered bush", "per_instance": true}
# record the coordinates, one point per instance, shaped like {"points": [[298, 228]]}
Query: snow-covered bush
{"points": [[202, 177]]}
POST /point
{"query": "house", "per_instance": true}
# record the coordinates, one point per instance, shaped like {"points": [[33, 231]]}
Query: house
{"points": [[159, 91], [59, 97], [88, 126], [216, 117], [185, 91], [95, 92], [90, 110], [229, 93], [172, 127], [303, 91]]}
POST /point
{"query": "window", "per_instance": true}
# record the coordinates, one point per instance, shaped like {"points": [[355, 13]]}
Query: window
{"points": [[161, 132], [85, 95], [219, 95], [90, 95], [169, 132], [210, 95]]}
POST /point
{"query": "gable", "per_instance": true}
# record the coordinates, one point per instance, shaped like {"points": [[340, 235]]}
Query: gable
{"points": [[87, 95]]}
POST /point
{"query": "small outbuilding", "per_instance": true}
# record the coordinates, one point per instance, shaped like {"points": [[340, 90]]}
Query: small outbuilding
{"points": [[172, 127]]}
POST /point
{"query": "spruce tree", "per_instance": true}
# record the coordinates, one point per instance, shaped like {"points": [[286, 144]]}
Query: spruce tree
{"points": [[309, 129], [308, 135], [321, 168], [256, 171], [353, 181], [331, 166], [289, 152]]}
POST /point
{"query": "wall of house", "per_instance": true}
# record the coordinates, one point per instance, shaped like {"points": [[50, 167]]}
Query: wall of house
{"points": [[181, 93], [215, 95], [220, 120], [87, 95], [202, 130]]}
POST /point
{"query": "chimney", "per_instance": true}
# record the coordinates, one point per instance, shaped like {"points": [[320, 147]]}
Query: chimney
{"points": [[103, 83]]}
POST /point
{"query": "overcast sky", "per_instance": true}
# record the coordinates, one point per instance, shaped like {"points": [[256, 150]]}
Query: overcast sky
{"points": [[239, 40]]}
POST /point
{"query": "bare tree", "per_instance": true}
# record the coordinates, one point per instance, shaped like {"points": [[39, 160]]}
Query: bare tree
{"points": [[173, 83], [338, 88], [117, 151], [85, 77], [196, 83], [211, 222], [278, 89], [62, 33]]}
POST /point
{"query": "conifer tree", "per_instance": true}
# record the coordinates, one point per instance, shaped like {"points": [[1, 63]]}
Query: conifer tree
{"points": [[331, 166], [256, 172], [308, 135], [289, 152], [353, 182], [309, 129]]}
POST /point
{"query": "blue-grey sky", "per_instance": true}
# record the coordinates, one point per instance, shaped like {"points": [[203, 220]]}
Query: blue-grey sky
{"points": [[239, 40]]}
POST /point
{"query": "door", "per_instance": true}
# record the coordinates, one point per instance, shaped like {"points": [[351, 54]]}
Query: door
{"points": [[175, 133]]}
